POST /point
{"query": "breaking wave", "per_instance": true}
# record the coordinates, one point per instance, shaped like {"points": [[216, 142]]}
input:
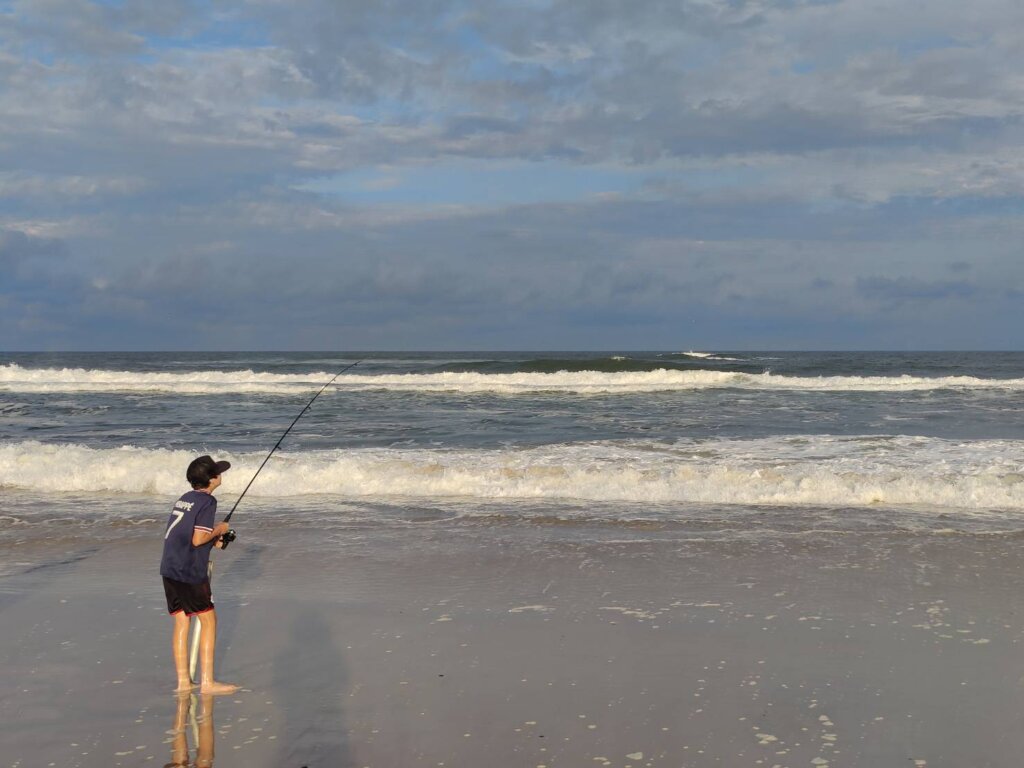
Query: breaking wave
{"points": [[785, 471], [706, 356], [14, 378]]}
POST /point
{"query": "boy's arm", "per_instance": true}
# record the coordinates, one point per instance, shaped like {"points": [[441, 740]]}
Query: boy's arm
{"points": [[202, 536], [204, 530]]}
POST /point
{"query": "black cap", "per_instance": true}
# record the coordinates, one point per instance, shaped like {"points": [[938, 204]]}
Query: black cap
{"points": [[204, 469]]}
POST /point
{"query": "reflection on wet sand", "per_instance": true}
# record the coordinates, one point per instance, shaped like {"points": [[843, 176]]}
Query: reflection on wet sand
{"points": [[195, 714]]}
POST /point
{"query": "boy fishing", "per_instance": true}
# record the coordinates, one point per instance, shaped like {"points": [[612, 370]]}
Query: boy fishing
{"points": [[188, 539]]}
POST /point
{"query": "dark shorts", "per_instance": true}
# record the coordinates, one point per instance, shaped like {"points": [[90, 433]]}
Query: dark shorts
{"points": [[190, 598]]}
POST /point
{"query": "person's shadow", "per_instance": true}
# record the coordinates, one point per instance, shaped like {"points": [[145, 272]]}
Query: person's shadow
{"points": [[231, 579], [309, 681], [308, 675]]}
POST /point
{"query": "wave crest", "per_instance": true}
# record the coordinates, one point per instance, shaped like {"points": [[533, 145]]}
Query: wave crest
{"points": [[14, 378], [822, 471]]}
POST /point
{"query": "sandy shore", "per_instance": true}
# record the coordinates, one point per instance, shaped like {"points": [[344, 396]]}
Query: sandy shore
{"points": [[464, 646]]}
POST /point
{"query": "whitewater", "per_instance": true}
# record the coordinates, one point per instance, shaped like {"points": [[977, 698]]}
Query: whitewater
{"points": [[798, 470], [14, 378]]}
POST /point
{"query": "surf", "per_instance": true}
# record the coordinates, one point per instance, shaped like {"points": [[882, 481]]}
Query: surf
{"points": [[16, 379], [858, 471]]}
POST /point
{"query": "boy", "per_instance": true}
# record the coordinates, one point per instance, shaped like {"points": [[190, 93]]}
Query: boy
{"points": [[189, 537]]}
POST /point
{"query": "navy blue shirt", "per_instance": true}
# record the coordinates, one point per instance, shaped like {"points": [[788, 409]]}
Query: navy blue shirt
{"points": [[181, 561]]}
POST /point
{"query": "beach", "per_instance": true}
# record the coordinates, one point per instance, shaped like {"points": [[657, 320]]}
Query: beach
{"points": [[435, 643], [532, 559]]}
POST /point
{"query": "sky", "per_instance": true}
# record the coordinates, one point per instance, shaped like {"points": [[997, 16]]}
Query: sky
{"points": [[511, 174]]}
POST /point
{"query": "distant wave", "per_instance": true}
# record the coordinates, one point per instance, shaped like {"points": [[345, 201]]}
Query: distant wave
{"points": [[785, 471], [14, 378], [706, 356], [610, 364]]}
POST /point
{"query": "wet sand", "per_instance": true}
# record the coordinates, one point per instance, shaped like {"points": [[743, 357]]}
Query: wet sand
{"points": [[467, 646]]}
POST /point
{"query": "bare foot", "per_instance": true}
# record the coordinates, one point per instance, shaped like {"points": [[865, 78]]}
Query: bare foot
{"points": [[213, 688], [184, 686]]}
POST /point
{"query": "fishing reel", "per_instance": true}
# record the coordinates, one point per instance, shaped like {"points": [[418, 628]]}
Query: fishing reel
{"points": [[227, 538]]}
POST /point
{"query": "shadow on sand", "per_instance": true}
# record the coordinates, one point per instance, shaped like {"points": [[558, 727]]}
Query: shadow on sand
{"points": [[309, 680], [230, 585]]}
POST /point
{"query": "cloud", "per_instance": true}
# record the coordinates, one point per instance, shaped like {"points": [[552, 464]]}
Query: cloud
{"points": [[34, 284], [24, 256], [92, 29], [423, 173], [900, 290], [24, 185]]}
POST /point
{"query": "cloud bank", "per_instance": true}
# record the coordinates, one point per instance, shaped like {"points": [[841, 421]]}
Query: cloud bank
{"points": [[414, 174]]}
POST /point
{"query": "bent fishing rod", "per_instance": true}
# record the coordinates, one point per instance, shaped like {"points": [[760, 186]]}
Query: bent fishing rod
{"points": [[230, 536]]}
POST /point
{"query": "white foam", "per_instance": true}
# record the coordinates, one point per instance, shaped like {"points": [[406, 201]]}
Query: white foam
{"points": [[707, 356], [826, 471], [14, 378]]}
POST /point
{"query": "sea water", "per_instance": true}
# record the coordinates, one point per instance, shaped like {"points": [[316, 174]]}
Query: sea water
{"points": [[688, 444]]}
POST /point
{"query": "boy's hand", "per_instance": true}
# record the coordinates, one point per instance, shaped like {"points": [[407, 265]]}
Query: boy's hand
{"points": [[220, 529]]}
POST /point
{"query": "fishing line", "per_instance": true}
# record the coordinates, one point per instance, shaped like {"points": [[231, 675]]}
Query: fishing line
{"points": [[230, 536]]}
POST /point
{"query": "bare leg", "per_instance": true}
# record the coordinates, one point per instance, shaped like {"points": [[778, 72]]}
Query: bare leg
{"points": [[207, 640], [179, 645]]}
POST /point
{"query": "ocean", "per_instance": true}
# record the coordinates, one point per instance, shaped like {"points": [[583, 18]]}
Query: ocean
{"points": [[612, 446]]}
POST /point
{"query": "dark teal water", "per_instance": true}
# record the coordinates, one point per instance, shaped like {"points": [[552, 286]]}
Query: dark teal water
{"points": [[228, 418], [709, 440]]}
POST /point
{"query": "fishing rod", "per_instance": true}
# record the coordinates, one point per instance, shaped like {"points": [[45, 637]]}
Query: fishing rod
{"points": [[230, 536]]}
